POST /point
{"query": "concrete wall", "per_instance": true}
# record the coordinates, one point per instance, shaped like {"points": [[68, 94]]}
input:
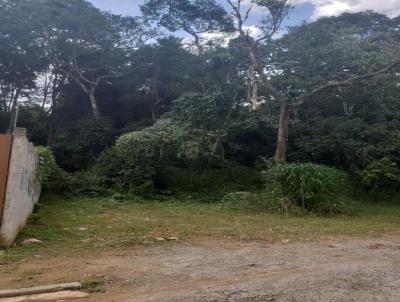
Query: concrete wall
{"points": [[23, 188]]}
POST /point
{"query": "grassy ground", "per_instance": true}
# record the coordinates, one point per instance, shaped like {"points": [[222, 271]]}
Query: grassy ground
{"points": [[81, 225]]}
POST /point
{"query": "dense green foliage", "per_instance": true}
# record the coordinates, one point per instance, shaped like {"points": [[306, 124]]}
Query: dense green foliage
{"points": [[310, 187], [127, 108], [53, 178]]}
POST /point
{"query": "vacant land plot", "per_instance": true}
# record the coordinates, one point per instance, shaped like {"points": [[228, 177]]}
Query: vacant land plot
{"points": [[117, 250]]}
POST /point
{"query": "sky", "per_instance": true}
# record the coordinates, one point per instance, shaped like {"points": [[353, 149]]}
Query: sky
{"points": [[305, 10], [302, 12]]}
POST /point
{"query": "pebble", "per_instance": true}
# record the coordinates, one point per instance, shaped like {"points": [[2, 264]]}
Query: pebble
{"points": [[173, 238], [31, 241]]}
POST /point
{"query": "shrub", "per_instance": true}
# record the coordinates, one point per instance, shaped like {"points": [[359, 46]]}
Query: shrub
{"points": [[144, 153], [214, 182], [53, 178], [309, 187], [89, 183], [47, 163], [106, 177], [382, 173], [140, 158], [369, 149]]}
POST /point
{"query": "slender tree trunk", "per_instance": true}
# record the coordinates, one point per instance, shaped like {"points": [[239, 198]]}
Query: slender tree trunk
{"points": [[249, 87], [157, 101], [197, 42], [254, 97], [4, 104], [255, 70], [47, 85], [12, 121], [91, 93], [58, 83], [93, 103], [252, 94], [284, 115], [283, 134], [13, 111], [50, 124]]}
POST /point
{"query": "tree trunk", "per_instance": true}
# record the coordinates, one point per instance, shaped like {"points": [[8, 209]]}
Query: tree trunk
{"points": [[254, 98], [156, 103], [91, 93], [12, 121], [254, 71], [58, 83], [13, 112], [283, 130], [252, 94], [93, 103], [50, 125], [283, 134]]}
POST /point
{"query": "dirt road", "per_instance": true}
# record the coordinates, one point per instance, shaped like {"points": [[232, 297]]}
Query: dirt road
{"points": [[335, 269]]}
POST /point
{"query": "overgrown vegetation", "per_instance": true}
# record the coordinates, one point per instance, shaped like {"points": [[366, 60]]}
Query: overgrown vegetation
{"points": [[124, 108], [53, 178], [74, 226], [309, 187]]}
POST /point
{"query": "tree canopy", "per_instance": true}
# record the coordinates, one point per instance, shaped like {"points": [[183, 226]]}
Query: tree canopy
{"points": [[123, 96]]}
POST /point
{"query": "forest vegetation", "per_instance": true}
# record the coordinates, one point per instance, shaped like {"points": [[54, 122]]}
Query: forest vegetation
{"points": [[186, 101]]}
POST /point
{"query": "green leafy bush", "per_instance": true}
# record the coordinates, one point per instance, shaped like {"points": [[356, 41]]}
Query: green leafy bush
{"points": [[89, 183], [213, 182], [144, 153], [367, 149], [309, 187], [139, 159], [382, 173], [53, 178]]}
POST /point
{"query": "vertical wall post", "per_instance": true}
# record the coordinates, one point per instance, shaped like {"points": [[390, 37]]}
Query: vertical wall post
{"points": [[5, 154]]}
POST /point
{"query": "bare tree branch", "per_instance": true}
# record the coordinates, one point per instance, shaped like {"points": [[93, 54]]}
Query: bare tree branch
{"points": [[348, 81]]}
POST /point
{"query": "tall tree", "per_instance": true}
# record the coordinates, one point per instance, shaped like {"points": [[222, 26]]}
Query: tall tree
{"points": [[195, 17], [325, 57], [20, 55], [87, 45], [275, 13]]}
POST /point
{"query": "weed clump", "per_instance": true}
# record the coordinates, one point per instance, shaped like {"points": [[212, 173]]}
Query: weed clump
{"points": [[308, 187]]}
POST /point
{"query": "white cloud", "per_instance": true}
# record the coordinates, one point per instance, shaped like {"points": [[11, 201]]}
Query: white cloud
{"points": [[336, 7], [254, 31], [224, 38]]}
